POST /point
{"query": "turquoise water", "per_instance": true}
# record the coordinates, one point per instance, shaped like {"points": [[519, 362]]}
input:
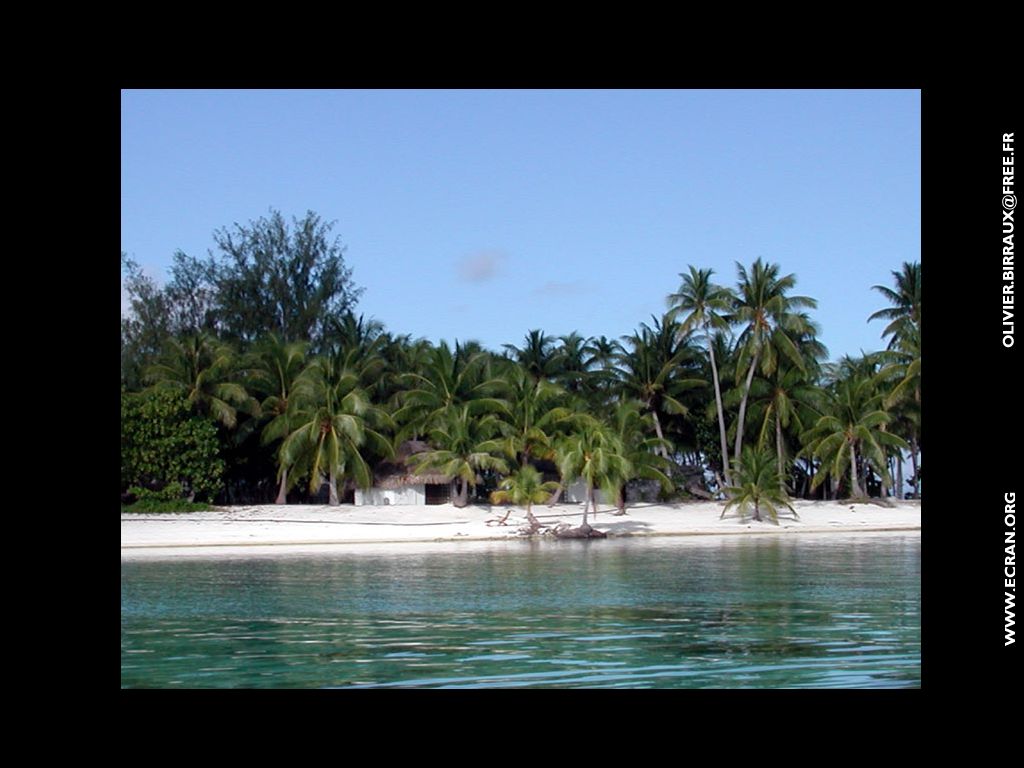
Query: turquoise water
{"points": [[764, 612]]}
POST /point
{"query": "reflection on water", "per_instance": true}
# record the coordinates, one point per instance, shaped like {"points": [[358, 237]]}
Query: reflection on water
{"points": [[764, 612]]}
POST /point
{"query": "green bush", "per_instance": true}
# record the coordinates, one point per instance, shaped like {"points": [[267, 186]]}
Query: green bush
{"points": [[165, 445]]}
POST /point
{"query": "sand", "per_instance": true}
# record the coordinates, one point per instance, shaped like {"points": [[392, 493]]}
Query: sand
{"points": [[272, 529]]}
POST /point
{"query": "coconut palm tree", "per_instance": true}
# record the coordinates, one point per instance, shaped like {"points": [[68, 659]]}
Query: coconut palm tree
{"points": [[448, 379], [538, 355], [202, 368], [525, 487], [333, 422], [659, 367], [769, 321], [705, 305], [900, 378], [595, 454], [757, 485], [464, 447], [905, 312], [851, 432], [784, 402], [629, 425], [533, 415], [274, 369]]}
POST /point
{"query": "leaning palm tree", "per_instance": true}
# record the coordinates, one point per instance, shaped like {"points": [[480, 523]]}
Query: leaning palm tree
{"points": [[769, 322], [464, 449], [203, 369], [705, 305], [333, 422], [524, 488], [757, 485]]}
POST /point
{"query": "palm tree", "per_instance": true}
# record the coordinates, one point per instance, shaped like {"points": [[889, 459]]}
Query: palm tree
{"points": [[597, 455], [656, 371], [757, 484], [768, 318], [705, 302], [572, 370], [900, 376], [448, 379], [851, 432], [905, 313], [629, 426], [533, 415], [782, 403], [538, 355], [202, 368], [464, 448], [525, 487], [333, 422], [275, 368]]}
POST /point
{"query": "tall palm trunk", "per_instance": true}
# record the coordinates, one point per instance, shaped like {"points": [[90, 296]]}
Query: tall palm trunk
{"points": [[721, 415], [462, 492], [743, 405], [778, 450], [899, 475], [855, 487], [657, 428], [282, 491], [586, 504], [332, 491], [913, 459]]}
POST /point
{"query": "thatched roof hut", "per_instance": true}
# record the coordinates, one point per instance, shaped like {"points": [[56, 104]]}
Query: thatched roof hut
{"points": [[399, 473]]}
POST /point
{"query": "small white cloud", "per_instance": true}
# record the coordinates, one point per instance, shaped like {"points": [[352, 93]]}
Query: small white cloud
{"points": [[480, 267]]}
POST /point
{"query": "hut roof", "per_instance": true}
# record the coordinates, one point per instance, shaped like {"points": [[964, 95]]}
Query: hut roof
{"points": [[398, 473]]}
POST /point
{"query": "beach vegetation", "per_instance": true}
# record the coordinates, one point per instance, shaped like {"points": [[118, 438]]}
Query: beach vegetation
{"points": [[757, 486], [249, 377]]}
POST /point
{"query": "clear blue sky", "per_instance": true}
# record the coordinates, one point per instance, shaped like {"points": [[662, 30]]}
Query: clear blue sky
{"points": [[483, 214]]}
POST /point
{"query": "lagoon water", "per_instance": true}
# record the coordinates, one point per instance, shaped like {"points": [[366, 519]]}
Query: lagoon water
{"points": [[693, 612]]}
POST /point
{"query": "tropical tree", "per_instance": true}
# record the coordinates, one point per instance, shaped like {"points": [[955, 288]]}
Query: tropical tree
{"points": [[524, 487], [448, 379], [705, 305], [464, 448], [595, 454], [768, 318], [900, 378], [203, 368], [758, 485], [784, 403], [333, 423], [905, 313], [851, 433], [630, 426], [532, 415], [274, 370], [657, 369], [287, 278], [538, 355]]}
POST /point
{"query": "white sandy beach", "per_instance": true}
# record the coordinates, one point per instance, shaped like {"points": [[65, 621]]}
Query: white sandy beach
{"points": [[270, 528]]}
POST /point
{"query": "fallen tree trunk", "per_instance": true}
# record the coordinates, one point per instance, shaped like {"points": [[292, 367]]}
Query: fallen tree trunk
{"points": [[582, 532]]}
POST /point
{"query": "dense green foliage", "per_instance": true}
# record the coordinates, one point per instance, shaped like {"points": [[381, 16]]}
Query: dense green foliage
{"points": [[249, 378], [166, 447]]}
